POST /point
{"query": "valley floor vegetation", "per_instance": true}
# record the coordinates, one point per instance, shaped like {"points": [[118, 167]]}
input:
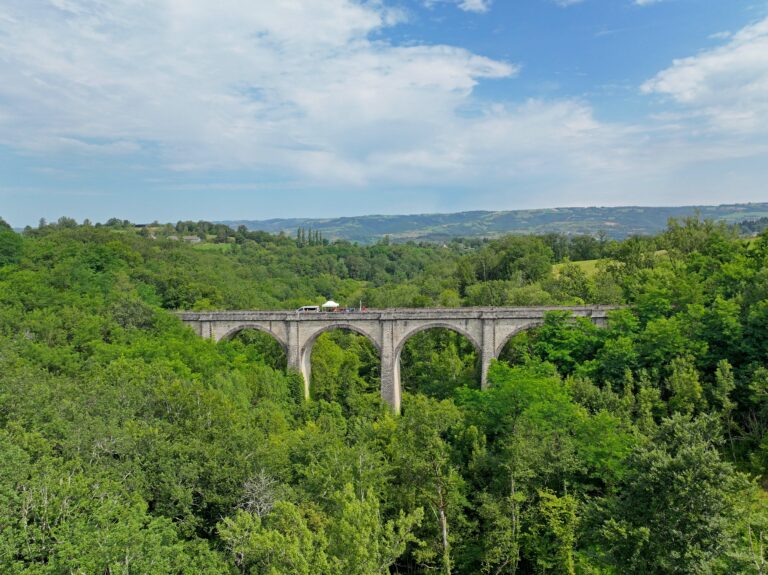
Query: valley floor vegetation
{"points": [[128, 445]]}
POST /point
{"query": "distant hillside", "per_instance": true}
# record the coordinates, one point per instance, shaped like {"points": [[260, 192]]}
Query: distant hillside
{"points": [[615, 222]]}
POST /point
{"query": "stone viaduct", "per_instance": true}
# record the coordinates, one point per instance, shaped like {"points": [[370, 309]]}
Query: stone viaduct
{"points": [[487, 328]]}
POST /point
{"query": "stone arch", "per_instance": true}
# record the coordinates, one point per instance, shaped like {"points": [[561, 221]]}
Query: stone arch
{"points": [[258, 327], [399, 345], [437, 325], [343, 325], [261, 328], [505, 339], [305, 351]]}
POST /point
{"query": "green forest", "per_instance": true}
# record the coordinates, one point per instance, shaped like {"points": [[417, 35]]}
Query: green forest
{"points": [[129, 445]]}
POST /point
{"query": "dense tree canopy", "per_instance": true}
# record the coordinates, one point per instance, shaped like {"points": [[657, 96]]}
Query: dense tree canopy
{"points": [[129, 445]]}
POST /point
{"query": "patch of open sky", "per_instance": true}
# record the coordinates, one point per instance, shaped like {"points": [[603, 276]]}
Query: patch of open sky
{"points": [[13, 168], [254, 93], [50, 181]]}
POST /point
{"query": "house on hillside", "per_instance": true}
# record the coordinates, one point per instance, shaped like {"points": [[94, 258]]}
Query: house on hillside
{"points": [[192, 239]]}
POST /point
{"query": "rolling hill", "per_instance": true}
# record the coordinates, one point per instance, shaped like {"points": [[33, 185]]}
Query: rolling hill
{"points": [[615, 222]]}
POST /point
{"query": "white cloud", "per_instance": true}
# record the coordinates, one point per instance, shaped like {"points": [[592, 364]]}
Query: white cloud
{"points": [[475, 5], [478, 6], [724, 35], [726, 87], [303, 88], [294, 84], [566, 3]]}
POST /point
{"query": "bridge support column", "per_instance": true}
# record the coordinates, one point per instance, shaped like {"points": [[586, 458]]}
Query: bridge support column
{"points": [[487, 351], [205, 330], [390, 367], [294, 356]]}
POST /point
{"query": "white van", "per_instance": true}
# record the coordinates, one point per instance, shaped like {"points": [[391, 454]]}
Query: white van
{"points": [[308, 308]]}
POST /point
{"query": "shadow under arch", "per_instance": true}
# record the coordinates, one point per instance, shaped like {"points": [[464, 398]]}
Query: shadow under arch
{"points": [[436, 325], [517, 331], [516, 347], [257, 344], [305, 353], [443, 326]]}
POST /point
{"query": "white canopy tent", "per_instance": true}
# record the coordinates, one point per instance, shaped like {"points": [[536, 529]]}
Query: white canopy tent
{"points": [[330, 304]]}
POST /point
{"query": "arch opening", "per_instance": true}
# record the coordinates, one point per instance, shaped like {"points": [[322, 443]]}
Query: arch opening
{"points": [[436, 360], [560, 339], [515, 348], [518, 347], [253, 344], [341, 363]]}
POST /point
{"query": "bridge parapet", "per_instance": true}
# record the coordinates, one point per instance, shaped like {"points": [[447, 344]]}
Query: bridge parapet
{"points": [[488, 328], [397, 313]]}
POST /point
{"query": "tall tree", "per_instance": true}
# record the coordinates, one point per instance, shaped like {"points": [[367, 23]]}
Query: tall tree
{"points": [[677, 504]]}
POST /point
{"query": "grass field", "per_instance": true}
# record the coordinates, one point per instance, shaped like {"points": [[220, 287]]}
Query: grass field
{"points": [[206, 247], [589, 267]]}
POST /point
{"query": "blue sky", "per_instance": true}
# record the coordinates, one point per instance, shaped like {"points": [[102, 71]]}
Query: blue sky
{"points": [[188, 109]]}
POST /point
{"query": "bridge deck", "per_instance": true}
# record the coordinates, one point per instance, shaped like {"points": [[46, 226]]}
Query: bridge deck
{"points": [[395, 313]]}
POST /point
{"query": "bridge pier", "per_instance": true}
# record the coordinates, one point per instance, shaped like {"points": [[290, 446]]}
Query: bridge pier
{"points": [[391, 390], [295, 357], [487, 350], [487, 328]]}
